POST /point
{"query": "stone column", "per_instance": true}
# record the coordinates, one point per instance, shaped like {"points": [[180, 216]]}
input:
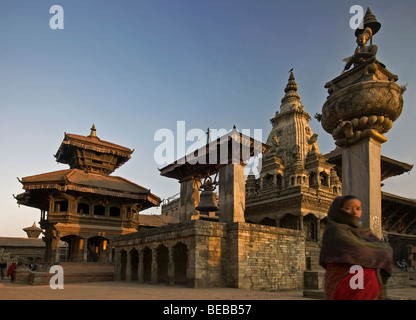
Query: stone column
{"points": [[55, 245], [232, 193], [189, 199], [361, 176], [128, 266], [110, 251], [361, 107], [171, 268], [140, 275], [80, 246], [117, 266], [300, 223], [153, 276], [85, 250]]}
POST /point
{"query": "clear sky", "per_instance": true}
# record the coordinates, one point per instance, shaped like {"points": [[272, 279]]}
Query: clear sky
{"points": [[133, 67]]}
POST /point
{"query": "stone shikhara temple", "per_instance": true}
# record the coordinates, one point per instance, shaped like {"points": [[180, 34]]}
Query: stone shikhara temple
{"points": [[263, 232]]}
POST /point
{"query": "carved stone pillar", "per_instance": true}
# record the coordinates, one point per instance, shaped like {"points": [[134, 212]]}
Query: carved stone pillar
{"points": [[189, 199], [153, 276], [57, 257], [109, 251], [128, 266], [232, 193], [117, 266], [171, 268], [140, 271], [361, 107], [361, 172], [85, 250]]}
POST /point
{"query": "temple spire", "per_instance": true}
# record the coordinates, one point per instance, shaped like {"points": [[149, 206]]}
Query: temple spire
{"points": [[291, 88], [291, 84]]}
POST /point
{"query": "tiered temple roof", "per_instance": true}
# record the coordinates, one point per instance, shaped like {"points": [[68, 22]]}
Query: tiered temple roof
{"points": [[91, 162]]}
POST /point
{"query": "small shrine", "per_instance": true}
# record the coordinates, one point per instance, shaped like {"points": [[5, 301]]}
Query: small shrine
{"points": [[33, 232], [225, 157], [85, 205]]}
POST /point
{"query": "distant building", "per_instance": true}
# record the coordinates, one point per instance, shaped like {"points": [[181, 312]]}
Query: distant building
{"points": [[30, 249]]}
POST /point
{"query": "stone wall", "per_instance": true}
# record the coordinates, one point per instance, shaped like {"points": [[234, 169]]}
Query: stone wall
{"points": [[312, 251], [202, 239], [240, 255], [264, 258]]}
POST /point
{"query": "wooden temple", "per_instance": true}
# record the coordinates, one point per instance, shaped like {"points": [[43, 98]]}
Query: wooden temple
{"points": [[85, 205]]}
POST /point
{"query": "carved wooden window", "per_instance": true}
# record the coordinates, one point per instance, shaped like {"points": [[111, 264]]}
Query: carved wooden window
{"points": [[324, 178], [313, 179], [114, 212], [83, 208], [61, 206], [99, 210]]}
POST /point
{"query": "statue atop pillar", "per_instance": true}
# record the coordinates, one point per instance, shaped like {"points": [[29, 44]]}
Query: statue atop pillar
{"points": [[364, 100], [364, 53], [362, 104]]}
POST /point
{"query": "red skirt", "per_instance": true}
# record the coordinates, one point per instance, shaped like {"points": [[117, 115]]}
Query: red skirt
{"points": [[339, 284]]}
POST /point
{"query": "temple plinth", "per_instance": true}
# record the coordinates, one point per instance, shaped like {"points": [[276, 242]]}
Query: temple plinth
{"points": [[362, 105]]}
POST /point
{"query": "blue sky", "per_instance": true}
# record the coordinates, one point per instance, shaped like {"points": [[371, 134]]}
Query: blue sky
{"points": [[133, 67]]}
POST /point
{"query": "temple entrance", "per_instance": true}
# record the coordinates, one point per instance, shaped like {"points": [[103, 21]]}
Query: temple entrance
{"points": [[97, 249], [180, 259], [75, 249]]}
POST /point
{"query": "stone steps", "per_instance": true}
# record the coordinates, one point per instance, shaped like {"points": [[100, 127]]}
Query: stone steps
{"points": [[74, 272]]}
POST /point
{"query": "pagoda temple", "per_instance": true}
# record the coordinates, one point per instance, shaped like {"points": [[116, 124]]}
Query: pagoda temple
{"points": [[85, 205]]}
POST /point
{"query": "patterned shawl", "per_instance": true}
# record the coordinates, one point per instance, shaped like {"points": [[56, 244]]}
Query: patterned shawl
{"points": [[346, 242]]}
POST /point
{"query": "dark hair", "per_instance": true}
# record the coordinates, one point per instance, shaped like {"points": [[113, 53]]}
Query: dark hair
{"points": [[346, 198]]}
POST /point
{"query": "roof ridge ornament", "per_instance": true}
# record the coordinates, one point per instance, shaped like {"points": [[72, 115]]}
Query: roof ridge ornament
{"points": [[370, 21], [93, 133]]}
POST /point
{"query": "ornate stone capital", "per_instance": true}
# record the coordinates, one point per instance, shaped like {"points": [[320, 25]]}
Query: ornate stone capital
{"points": [[362, 104]]}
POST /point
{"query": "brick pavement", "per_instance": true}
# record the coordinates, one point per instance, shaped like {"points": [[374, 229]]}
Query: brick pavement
{"points": [[121, 290]]}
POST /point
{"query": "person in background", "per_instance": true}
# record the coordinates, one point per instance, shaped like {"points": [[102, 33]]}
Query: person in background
{"points": [[11, 271], [3, 266], [345, 244]]}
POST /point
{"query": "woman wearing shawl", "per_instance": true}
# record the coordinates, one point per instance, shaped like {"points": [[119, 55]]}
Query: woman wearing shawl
{"points": [[345, 244]]}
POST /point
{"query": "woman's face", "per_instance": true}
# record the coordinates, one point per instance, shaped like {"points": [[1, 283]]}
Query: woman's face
{"points": [[353, 207]]}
